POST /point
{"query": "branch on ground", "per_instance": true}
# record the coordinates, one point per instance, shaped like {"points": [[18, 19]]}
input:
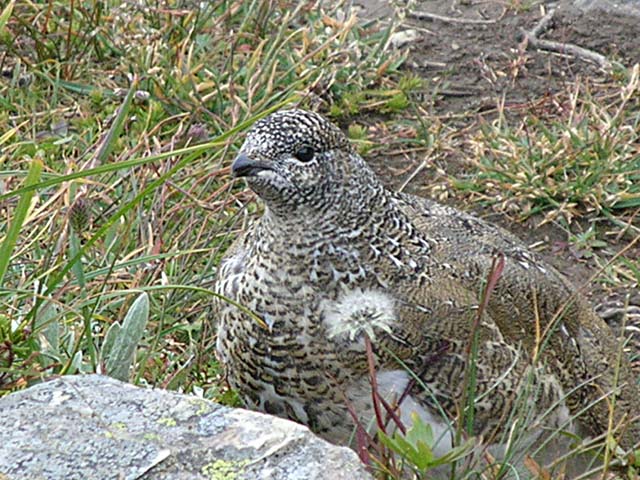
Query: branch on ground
{"points": [[531, 40], [442, 18]]}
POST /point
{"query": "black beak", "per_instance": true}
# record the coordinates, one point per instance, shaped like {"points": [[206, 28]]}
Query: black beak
{"points": [[244, 166]]}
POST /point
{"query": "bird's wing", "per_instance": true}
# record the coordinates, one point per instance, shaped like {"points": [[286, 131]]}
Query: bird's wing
{"points": [[439, 323], [534, 306]]}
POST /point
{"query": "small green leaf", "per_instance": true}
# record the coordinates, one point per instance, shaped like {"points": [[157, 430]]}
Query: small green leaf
{"points": [[416, 447], [110, 339], [455, 453], [47, 325], [419, 431], [76, 363], [121, 354], [48, 333], [398, 445]]}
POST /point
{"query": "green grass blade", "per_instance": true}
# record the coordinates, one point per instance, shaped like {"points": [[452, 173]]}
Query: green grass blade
{"points": [[108, 142], [6, 136], [218, 142], [6, 249], [53, 282], [4, 18]]}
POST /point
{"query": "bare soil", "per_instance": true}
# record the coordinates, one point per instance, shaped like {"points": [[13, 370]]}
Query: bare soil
{"points": [[472, 65], [475, 70]]}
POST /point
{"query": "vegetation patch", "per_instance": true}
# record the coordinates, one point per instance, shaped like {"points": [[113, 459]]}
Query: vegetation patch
{"points": [[118, 124]]}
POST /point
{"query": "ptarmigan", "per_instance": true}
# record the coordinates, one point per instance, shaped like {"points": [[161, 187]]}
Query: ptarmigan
{"points": [[336, 257]]}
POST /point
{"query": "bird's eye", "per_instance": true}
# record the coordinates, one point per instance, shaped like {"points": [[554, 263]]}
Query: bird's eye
{"points": [[305, 153]]}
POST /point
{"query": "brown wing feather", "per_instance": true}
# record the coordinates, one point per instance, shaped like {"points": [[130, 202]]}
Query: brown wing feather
{"points": [[532, 296]]}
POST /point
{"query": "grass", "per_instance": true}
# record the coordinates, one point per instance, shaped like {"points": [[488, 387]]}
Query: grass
{"points": [[586, 161], [579, 170], [118, 121]]}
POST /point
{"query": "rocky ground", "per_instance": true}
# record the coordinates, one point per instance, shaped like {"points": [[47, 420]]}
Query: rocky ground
{"points": [[89, 427]]}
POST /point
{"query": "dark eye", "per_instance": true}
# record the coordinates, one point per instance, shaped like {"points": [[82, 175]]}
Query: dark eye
{"points": [[305, 153]]}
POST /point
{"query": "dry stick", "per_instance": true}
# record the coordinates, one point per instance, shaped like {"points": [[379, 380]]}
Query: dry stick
{"points": [[544, 23], [392, 415], [628, 226], [571, 49], [377, 399], [363, 439], [435, 16], [414, 174], [532, 40]]}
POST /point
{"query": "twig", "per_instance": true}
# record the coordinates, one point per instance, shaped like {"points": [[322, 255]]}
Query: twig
{"points": [[363, 439], [392, 414], [532, 40], [413, 175], [571, 49], [458, 93], [543, 25], [431, 63], [435, 16]]}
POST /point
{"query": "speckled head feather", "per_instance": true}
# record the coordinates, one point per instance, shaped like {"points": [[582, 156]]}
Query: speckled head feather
{"points": [[295, 158], [286, 131]]}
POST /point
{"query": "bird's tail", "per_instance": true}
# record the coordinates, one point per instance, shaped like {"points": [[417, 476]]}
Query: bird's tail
{"points": [[622, 313]]}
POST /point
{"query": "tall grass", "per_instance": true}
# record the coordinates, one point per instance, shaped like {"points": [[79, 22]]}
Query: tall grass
{"points": [[119, 121]]}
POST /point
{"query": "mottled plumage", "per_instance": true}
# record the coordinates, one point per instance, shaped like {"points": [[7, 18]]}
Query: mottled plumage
{"points": [[337, 256]]}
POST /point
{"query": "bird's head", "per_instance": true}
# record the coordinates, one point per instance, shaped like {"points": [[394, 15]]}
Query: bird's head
{"points": [[297, 159]]}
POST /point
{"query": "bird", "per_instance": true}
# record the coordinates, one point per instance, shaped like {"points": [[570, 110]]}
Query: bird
{"points": [[338, 264], [622, 313]]}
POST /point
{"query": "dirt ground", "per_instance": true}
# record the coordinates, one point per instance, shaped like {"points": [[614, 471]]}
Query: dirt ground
{"points": [[471, 65], [477, 56]]}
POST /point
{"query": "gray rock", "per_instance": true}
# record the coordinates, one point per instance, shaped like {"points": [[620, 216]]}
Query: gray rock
{"points": [[95, 427], [614, 7]]}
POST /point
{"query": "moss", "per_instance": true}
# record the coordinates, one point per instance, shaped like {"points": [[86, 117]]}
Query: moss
{"points": [[202, 407], [224, 469], [167, 421]]}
